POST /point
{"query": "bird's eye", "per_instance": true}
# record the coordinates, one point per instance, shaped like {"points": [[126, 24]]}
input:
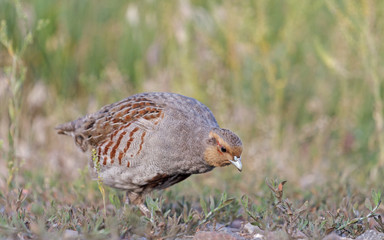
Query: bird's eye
{"points": [[223, 149]]}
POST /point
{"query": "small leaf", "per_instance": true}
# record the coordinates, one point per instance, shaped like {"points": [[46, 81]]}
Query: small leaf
{"points": [[212, 202], [204, 206], [223, 197], [368, 204], [302, 209], [355, 211], [379, 220], [114, 199], [166, 213], [329, 230], [353, 221], [280, 188], [244, 201], [376, 196], [227, 202], [270, 185]]}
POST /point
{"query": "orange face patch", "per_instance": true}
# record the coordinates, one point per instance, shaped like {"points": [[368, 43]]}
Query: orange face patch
{"points": [[214, 155]]}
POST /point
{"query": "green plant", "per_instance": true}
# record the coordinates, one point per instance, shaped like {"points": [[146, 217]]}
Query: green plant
{"points": [[96, 163], [15, 78], [214, 208], [253, 212], [300, 80], [294, 218], [165, 222], [340, 222]]}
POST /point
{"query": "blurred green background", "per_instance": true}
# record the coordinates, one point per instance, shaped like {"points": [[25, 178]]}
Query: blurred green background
{"points": [[299, 81]]}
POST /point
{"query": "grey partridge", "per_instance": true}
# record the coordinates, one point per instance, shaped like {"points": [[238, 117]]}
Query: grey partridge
{"points": [[153, 140]]}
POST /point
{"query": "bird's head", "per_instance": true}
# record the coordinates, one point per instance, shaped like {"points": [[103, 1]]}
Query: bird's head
{"points": [[223, 148]]}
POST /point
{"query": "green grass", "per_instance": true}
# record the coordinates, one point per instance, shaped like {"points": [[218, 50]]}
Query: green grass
{"points": [[299, 81]]}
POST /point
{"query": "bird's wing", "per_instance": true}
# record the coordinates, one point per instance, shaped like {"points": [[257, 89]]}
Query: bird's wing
{"points": [[162, 181], [113, 123]]}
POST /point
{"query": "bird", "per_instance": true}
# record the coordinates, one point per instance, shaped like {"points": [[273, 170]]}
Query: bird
{"points": [[151, 141]]}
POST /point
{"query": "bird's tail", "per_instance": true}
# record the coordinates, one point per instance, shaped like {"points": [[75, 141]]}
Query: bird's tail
{"points": [[74, 129], [67, 128]]}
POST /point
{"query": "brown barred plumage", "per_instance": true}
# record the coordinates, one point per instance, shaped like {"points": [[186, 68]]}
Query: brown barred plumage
{"points": [[152, 141]]}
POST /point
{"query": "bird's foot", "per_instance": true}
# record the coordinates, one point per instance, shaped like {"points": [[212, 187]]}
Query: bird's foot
{"points": [[144, 210], [137, 199]]}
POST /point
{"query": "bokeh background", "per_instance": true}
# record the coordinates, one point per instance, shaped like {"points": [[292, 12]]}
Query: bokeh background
{"points": [[300, 81]]}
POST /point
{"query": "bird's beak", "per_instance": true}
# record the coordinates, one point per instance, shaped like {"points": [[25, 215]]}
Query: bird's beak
{"points": [[237, 162]]}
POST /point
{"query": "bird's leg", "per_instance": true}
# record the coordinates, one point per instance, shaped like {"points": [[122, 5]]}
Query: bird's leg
{"points": [[144, 210], [137, 199]]}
